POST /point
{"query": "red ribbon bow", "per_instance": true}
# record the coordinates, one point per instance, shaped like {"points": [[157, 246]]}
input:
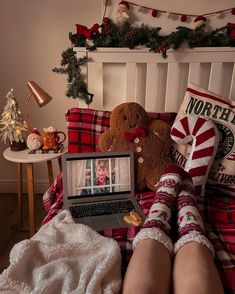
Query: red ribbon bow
{"points": [[137, 132], [84, 31]]}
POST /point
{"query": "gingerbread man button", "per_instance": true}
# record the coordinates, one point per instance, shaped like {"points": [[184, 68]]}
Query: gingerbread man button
{"points": [[136, 140]]}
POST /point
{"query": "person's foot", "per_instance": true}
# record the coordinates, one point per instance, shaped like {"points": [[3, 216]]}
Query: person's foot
{"points": [[157, 223], [190, 224]]}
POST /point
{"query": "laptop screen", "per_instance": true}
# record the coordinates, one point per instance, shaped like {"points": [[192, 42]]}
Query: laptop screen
{"points": [[98, 174]]}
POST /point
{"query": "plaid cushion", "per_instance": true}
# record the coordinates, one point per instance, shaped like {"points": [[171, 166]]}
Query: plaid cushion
{"points": [[86, 125], [84, 128]]}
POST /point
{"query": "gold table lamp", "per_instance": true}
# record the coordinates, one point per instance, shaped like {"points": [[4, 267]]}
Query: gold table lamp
{"points": [[40, 96]]}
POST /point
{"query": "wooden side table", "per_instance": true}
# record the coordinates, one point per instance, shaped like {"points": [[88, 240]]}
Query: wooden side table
{"points": [[23, 157]]}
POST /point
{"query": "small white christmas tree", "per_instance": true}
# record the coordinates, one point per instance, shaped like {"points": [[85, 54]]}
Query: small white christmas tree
{"points": [[13, 129]]}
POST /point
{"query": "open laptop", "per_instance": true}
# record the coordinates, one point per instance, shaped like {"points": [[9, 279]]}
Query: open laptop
{"points": [[99, 188]]}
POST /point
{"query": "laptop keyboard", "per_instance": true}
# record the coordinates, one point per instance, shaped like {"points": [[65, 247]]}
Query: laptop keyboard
{"points": [[103, 208]]}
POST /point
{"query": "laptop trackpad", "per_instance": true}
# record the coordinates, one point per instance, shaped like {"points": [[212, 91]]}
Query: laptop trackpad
{"points": [[106, 222], [103, 222], [85, 221]]}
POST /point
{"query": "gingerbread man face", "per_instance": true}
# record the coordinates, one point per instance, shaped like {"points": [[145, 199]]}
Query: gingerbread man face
{"points": [[128, 116]]}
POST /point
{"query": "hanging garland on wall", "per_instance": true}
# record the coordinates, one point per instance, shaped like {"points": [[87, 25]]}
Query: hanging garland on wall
{"points": [[155, 12], [71, 65], [110, 34]]}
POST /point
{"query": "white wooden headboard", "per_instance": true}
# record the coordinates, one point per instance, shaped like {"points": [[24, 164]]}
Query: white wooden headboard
{"points": [[116, 75]]}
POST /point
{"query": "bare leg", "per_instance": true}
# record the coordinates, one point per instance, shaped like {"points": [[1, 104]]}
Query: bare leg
{"points": [[149, 270], [194, 271]]}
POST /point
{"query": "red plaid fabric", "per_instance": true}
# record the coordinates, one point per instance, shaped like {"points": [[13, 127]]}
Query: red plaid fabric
{"points": [[84, 128], [218, 209], [219, 219]]}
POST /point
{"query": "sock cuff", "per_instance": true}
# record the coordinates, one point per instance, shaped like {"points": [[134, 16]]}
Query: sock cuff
{"points": [[178, 170], [154, 234], [194, 237]]}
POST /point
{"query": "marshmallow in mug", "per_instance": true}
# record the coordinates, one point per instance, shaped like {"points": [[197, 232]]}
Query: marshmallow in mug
{"points": [[50, 129]]}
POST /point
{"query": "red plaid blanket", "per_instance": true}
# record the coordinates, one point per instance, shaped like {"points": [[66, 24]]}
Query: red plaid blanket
{"points": [[218, 209], [219, 219]]}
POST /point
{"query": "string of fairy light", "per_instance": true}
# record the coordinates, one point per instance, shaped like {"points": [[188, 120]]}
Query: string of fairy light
{"points": [[170, 14]]}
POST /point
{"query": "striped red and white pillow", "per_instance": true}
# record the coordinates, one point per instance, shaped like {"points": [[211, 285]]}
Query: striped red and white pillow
{"points": [[204, 137], [201, 102]]}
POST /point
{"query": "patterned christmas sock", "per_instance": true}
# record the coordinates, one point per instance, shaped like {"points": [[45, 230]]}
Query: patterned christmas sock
{"points": [[157, 223], [190, 224]]}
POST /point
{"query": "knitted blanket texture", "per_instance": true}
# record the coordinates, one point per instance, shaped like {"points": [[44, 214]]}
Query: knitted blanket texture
{"points": [[63, 257]]}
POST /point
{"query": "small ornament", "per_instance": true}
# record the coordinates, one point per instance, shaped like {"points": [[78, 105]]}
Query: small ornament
{"points": [[121, 15], [154, 13], [220, 14], [34, 140], [183, 18], [168, 14], [199, 20]]}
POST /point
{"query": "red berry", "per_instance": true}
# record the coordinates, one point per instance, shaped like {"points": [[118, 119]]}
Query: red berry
{"points": [[154, 13], [183, 18]]}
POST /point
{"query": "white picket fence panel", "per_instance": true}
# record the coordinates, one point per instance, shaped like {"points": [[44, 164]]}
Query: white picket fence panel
{"points": [[117, 75]]}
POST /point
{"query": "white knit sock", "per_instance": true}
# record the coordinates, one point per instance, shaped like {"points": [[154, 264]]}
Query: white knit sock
{"points": [[190, 224], [157, 223]]}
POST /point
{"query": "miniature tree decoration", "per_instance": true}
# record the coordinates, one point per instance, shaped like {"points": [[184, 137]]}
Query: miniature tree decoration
{"points": [[13, 129]]}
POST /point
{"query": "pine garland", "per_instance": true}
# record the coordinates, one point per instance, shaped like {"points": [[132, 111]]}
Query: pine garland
{"points": [[126, 35], [71, 65]]}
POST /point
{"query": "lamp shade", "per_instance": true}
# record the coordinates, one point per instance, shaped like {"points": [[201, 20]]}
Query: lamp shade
{"points": [[40, 96]]}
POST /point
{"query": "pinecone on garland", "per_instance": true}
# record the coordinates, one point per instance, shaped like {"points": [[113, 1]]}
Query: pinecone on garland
{"points": [[76, 40], [107, 26], [131, 39]]}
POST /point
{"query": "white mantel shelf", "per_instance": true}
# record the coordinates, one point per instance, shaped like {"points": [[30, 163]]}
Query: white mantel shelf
{"points": [[146, 50], [143, 55]]}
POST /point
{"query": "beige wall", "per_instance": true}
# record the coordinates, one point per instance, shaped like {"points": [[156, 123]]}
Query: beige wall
{"points": [[33, 35]]}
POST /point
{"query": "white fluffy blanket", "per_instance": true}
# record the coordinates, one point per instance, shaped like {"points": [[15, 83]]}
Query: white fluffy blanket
{"points": [[63, 257]]}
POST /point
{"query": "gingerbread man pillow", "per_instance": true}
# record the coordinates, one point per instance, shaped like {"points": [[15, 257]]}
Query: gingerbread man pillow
{"points": [[131, 129]]}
